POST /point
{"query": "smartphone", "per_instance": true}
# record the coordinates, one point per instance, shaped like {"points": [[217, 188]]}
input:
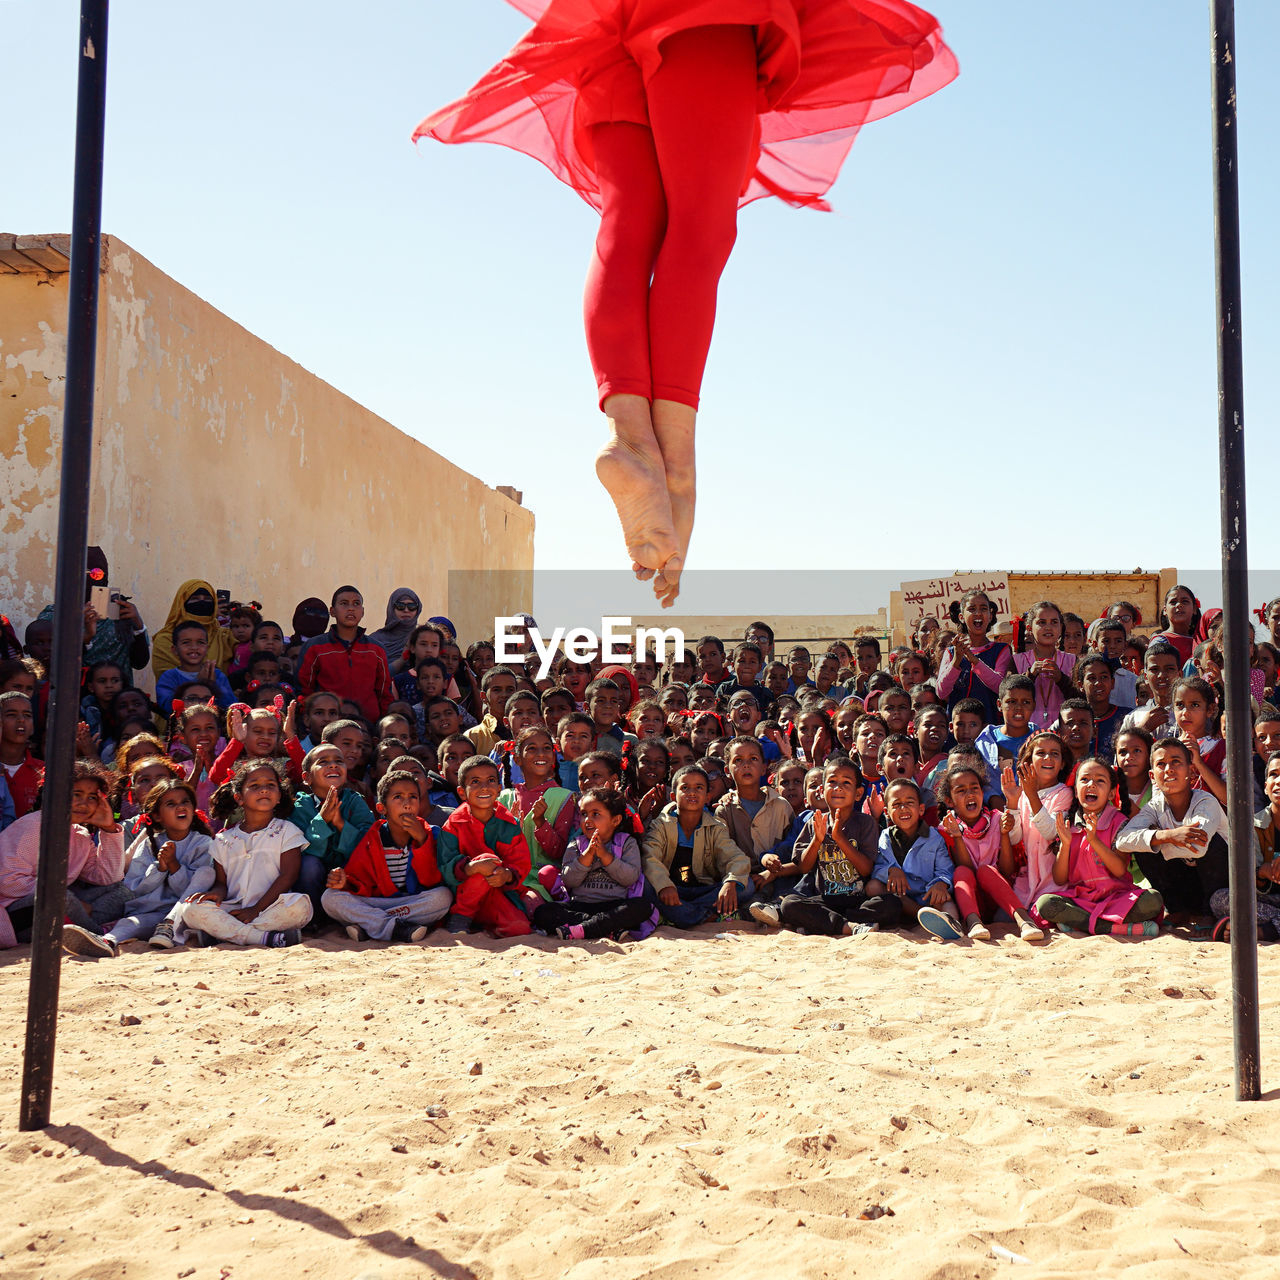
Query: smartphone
{"points": [[224, 605], [106, 604]]}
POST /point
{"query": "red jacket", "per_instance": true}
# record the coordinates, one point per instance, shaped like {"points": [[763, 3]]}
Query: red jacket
{"points": [[367, 873], [356, 671], [24, 785]]}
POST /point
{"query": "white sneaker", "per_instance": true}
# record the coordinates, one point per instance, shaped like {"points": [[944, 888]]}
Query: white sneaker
{"points": [[980, 933], [765, 913], [1029, 933]]}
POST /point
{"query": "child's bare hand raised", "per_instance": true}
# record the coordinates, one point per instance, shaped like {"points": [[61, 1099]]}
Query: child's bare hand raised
{"points": [[331, 809], [951, 826], [875, 804], [820, 825], [1060, 825], [652, 802], [1009, 785], [1007, 817], [291, 720], [237, 724], [167, 858]]}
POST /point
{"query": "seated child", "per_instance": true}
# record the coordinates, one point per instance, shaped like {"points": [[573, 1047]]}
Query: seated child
{"points": [[759, 820], [255, 866], [484, 857], [985, 861], [523, 710], [319, 710], [835, 854], [332, 817], [1179, 837], [1000, 743], [690, 859], [577, 736], [259, 734], [1075, 727], [604, 704], [23, 772], [931, 745], [437, 719], [601, 872], [171, 858], [547, 813], [913, 862], [1038, 791], [1097, 683], [100, 862], [1097, 893], [391, 888], [1268, 878], [191, 644], [451, 755], [1194, 705], [868, 733]]}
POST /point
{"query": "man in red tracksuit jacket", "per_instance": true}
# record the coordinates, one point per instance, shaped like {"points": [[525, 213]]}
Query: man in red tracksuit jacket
{"points": [[343, 662]]}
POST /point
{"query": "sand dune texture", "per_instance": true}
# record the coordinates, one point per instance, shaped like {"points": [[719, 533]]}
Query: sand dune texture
{"points": [[693, 1105]]}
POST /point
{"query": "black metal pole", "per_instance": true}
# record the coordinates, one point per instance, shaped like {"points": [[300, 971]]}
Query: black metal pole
{"points": [[1235, 561], [68, 601]]}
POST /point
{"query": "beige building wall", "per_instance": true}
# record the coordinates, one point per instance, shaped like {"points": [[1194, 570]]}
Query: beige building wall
{"points": [[814, 631], [217, 457]]}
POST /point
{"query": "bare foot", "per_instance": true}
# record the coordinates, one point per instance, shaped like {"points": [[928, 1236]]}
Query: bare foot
{"points": [[673, 425], [636, 481]]}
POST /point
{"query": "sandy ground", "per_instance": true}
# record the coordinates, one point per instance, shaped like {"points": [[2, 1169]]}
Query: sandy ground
{"points": [[693, 1105]]}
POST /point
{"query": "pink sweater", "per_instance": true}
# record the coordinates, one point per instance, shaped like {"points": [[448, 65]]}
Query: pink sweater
{"points": [[101, 863]]}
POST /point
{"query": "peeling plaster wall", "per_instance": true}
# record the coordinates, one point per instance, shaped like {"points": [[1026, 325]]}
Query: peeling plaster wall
{"points": [[217, 457]]}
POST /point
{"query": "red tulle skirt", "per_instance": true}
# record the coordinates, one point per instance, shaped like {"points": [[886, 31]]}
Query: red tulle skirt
{"points": [[826, 68]]}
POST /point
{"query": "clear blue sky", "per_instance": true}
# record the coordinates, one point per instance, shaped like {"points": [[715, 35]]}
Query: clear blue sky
{"points": [[998, 352]]}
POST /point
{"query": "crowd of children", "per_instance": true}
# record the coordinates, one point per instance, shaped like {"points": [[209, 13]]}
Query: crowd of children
{"points": [[1056, 774]]}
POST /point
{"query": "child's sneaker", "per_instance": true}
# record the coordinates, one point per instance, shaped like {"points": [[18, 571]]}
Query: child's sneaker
{"points": [[940, 924], [570, 933], [283, 938], [978, 931], [82, 942], [455, 923], [356, 933], [1029, 932], [766, 913], [162, 935], [856, 930], [408, 931]]}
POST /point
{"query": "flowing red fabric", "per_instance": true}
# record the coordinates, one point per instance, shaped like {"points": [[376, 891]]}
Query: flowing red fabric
{"points": [[826, 67]]}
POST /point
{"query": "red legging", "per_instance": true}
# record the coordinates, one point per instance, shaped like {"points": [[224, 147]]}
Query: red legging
{"points": [[990, 888], [670, 194]]}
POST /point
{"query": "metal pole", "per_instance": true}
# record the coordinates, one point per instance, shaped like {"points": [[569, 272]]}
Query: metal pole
{"points": [[68, 606], [1235, 563]]}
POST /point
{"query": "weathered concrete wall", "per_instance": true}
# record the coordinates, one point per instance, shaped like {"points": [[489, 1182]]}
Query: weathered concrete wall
{"points": [[217, 457]]}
